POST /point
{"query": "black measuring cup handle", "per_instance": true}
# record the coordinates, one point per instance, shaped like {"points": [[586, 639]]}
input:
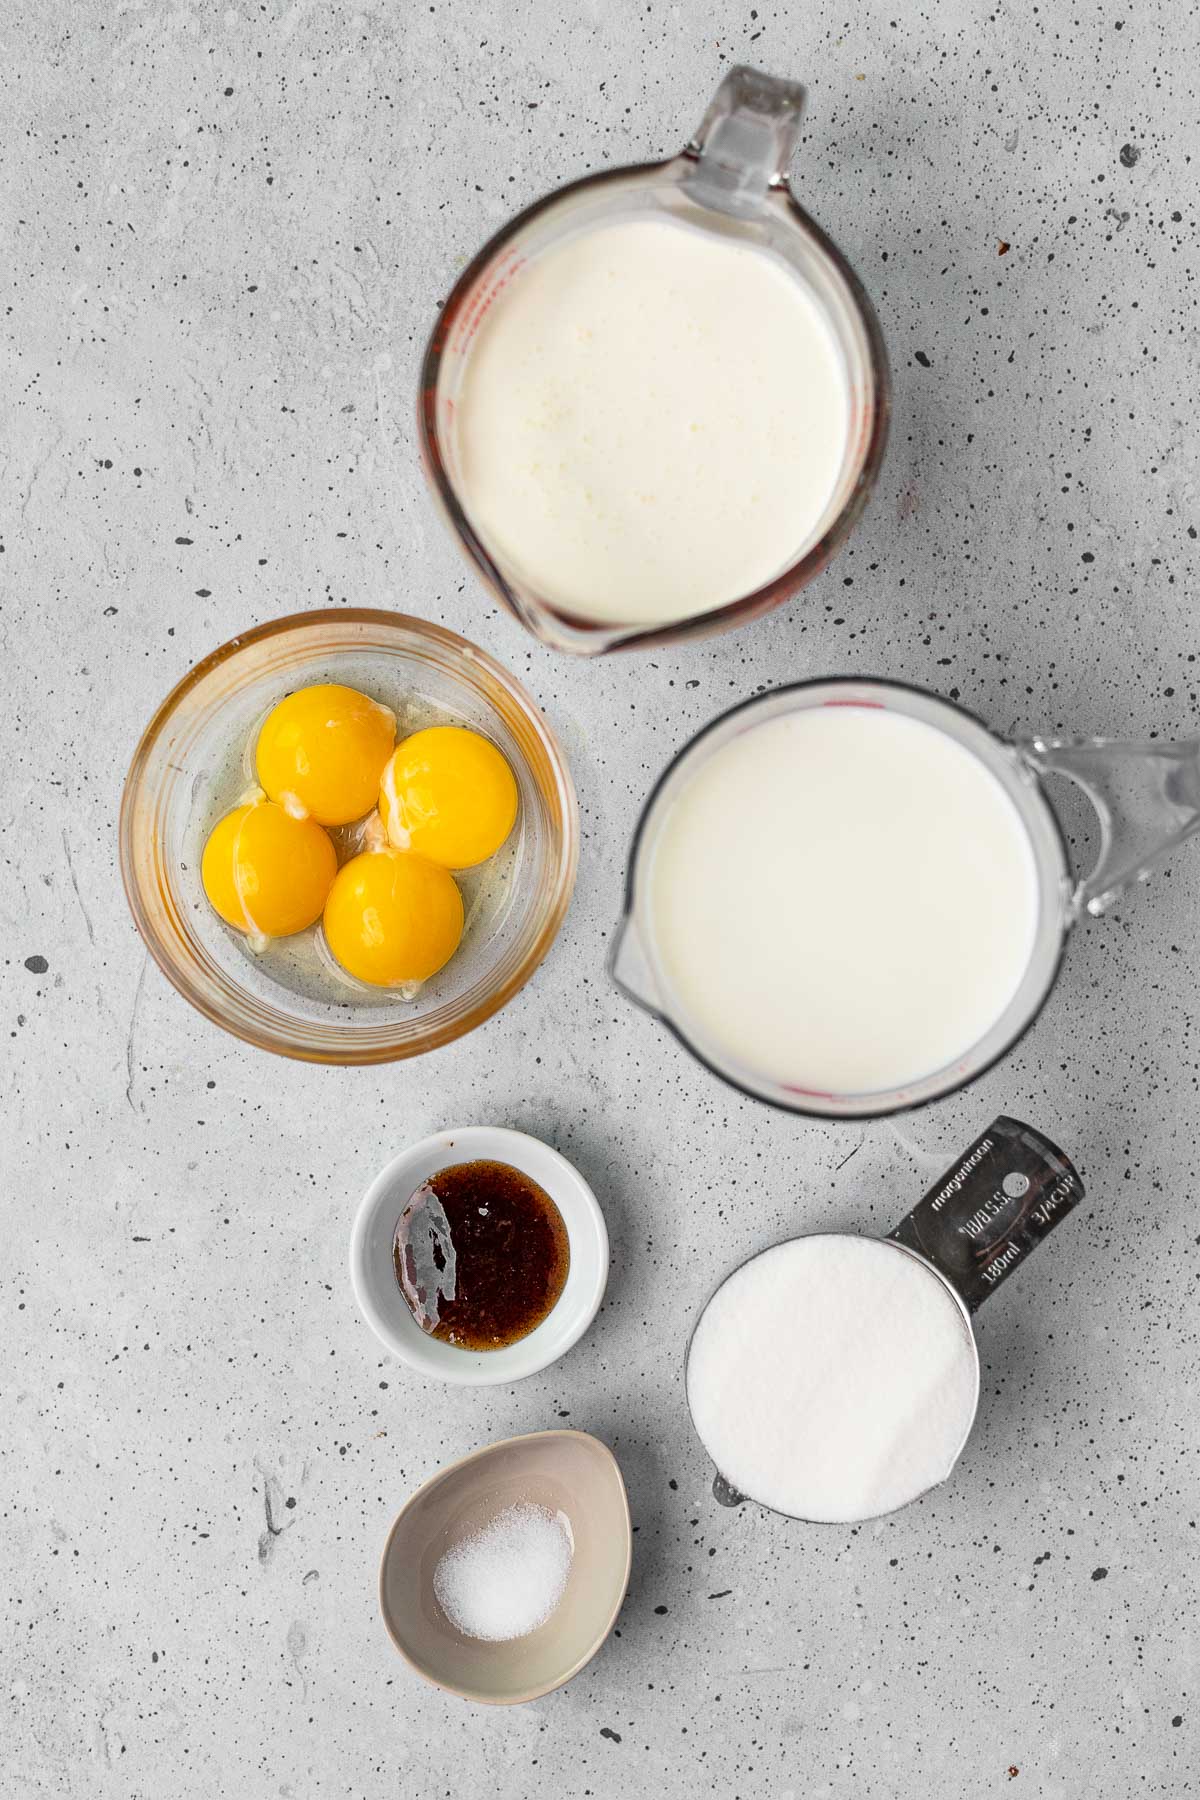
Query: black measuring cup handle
{"points": [[982, 1218]]}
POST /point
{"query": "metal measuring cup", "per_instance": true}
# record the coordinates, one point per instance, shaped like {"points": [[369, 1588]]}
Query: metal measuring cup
{"points": [[974, 1226]]}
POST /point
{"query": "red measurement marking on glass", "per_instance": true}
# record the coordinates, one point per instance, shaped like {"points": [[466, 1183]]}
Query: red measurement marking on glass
{"points": [[477, 308]]}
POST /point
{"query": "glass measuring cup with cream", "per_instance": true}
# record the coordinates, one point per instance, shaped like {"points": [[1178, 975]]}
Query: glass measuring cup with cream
{"points": [[850, 897], [834, 1378], [656, 401]]}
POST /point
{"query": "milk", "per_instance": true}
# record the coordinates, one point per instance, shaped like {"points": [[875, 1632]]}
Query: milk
{"points": [[843, 899], [833, 1378], [652, 422]]}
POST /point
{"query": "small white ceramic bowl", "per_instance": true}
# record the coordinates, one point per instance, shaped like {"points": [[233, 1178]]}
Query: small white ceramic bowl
{"points": [[373, 1276]]}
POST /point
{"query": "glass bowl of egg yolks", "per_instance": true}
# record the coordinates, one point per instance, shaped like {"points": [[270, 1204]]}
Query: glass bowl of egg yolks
{"points": [[189, 781]]}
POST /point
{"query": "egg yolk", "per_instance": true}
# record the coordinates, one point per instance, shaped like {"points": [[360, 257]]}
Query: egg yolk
{"points": [[320, 752], [265, 872], [393, 917], [448, 794]]}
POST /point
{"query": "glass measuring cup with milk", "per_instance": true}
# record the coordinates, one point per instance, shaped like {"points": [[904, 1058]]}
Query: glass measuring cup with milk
{"points": [[655, 402], [850, 897]]}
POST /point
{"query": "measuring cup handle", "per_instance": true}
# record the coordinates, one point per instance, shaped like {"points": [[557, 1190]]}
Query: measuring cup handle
{"points": [[745, 142], [1146, 796], [1007, 1192]]}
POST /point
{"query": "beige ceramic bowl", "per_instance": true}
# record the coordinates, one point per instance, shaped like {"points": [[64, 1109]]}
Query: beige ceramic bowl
{"points": [[564, 1471]]}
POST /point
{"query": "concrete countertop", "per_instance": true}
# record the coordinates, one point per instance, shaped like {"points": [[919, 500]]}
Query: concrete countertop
{"points": [[226, 228]]}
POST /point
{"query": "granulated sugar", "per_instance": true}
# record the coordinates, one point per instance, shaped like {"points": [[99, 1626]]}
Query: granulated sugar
{"points": [[833, 1378], [505, 1580]]}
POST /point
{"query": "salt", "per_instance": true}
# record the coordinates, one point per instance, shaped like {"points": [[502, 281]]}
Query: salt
{"points": [[833, 1378], [505, 1580]]}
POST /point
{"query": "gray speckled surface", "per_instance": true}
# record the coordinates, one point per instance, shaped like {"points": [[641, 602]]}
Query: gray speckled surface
{"points": [[225, 230]]}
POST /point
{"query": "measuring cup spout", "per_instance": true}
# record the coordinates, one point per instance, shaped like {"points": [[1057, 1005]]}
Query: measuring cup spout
{"points": [[630, 969], [745, 142], [1147, 799]]}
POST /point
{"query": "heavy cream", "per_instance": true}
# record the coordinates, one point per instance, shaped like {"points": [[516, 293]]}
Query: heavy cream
{"points": [[652, 422], [841, 899]]}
